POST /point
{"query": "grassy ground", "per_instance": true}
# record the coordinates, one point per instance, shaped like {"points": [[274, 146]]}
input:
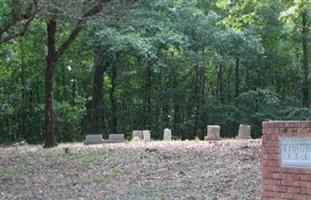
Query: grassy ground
{"points": [[228, 169]]}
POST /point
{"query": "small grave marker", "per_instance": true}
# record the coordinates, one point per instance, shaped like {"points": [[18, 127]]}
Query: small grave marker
{"points": [[146, 135], [93, 139], [115, 138], [137, 134], [244, 132], [167, 136], [213, 132]]}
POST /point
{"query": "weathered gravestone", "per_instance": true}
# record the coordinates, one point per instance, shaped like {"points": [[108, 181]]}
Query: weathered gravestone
{"points": [[213, 132], [115, 138], [167, 136], [244, 132], [93, 139], [146, 135], [137, 135], [286, 160]]}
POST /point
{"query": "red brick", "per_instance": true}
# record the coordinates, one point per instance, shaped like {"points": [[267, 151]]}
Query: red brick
{"points": [[306, 191], [306, 177], [304, 131], [272, 182], [305, 184], [294, 170], [293, 190], [272, 143], [301, 197], [264, 193], [271, 137], [274, 188], [274, 194], [293, 124], [290, 183], [272, 163], [278, 175], [305, 171], [279, 124], [287, 196], [266, 125], [293, 177], [306, 124], [274, 157], [272, 169]]}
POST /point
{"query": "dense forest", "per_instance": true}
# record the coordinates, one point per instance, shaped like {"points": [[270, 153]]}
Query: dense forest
{"points": [[70, 68]]}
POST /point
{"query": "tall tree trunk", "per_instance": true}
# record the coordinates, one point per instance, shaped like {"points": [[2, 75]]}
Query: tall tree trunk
{"points": [[198, 98], [114, 122], [164, 103], [52, 58], [220, 84], [50, 136], [147, 98], [99, 70], [237, 76], [23, 113], [305, 87]]}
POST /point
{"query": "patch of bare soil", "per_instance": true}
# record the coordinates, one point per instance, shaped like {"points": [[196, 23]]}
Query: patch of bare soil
{"points": [[228, 169]]}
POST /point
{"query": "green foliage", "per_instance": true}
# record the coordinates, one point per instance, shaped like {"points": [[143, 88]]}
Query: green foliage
{"points": [[175, 63], [70, 118]]}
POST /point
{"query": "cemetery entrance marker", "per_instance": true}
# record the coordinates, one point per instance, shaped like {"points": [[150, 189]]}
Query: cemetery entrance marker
{"points": [[286, 160]]}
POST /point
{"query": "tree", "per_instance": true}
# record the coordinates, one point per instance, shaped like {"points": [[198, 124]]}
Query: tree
{"points": [[141, 65], [53, 56], [297, 16], [19, 19]]}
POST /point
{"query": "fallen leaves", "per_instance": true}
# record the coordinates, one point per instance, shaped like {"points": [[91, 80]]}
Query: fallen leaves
{"points": [[228, 169]]}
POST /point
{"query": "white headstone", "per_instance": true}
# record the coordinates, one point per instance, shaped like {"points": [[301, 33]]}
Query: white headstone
{"points": [[213, 132], [93, 139], [167, 136], [244, 132], [146, 135], [137, 134]]}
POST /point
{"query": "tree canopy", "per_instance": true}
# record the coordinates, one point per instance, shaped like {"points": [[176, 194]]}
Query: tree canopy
{"points": [[70, 68]]}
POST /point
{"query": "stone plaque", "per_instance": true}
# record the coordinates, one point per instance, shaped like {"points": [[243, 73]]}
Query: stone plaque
{"points": [[295, 152]]}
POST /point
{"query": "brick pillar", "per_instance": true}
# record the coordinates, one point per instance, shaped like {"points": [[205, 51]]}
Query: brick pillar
{"points": [[286, 152]]}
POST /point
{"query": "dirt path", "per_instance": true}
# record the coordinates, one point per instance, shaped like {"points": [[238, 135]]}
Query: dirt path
{"points": [[228, 169]]}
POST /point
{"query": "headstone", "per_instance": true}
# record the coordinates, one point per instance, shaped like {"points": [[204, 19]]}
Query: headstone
{"points": [[244, 132], [115, 138], [213, 132], [93, 139], [167, 136], [146, 135], [137, 135], [286, 160]]}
